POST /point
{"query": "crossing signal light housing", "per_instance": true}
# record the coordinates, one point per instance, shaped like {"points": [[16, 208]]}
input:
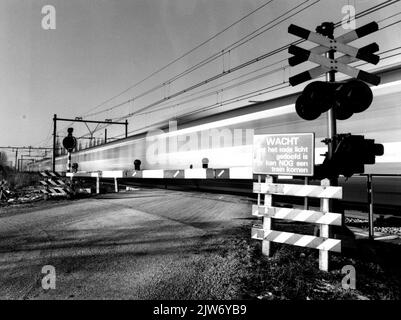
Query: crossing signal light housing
{"points": [[351, 154], [346, 98], [316, 98], [69, 142]]}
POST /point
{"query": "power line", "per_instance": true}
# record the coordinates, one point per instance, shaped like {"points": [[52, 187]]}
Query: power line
{"points": [[213, 57], [221, 90], [224, 73], [257, 93], [359, 15], [262, 57], [184, 55], [177, 59], [243, 82]]}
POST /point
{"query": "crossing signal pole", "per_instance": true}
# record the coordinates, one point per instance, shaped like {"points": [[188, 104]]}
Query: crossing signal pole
{"points": [[69, 142], [327, 29]]}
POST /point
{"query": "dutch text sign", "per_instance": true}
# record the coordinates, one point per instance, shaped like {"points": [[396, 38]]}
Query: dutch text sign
{"points": [[284, 154]]}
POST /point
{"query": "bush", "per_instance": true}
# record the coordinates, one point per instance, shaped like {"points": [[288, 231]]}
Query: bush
{"points": [[19, 180]]}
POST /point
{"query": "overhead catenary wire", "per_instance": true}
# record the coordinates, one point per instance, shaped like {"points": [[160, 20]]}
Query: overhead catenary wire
{"points": [[213, 78], [184, 54], [365, 12], [359, 15], [137, 112], [213, 57], [243, 82], [247, 63], [220, 90], [241, 42], [178, 58], [256, 93], [246, 96]]}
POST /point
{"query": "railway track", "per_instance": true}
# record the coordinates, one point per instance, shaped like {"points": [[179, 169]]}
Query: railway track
{"points": [[353, 192]]}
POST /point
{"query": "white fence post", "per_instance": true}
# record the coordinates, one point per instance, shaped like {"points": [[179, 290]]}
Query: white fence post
{"points": [[267, 222], [324, 230], [97, 184]]}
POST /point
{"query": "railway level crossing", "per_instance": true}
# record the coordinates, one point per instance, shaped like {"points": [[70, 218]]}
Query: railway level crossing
{"points": [[340, 101], [268, 160]]}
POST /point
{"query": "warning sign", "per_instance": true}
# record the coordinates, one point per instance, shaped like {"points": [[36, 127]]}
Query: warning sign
{"points": [[284, 154]]}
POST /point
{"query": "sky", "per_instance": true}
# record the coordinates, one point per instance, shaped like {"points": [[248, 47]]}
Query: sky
{"points": [[99, 48]]}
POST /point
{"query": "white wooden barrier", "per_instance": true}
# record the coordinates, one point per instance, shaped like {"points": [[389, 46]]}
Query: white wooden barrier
{"points": [[323, 218]]}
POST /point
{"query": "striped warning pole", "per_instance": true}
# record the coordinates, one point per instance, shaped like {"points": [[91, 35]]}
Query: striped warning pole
{"points": [[3, 184], [324, 230], [69, 162], [267, 221]]}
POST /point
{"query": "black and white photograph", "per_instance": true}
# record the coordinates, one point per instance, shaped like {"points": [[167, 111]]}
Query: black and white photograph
{"points": [[209, 158]]}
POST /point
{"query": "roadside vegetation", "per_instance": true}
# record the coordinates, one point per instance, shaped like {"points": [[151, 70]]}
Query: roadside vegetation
{"points": [[293, 273], [18, 180], [21, 180]]}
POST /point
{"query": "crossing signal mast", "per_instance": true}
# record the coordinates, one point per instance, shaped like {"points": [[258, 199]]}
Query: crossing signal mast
{"points": [[69, 142], [347, 153]]}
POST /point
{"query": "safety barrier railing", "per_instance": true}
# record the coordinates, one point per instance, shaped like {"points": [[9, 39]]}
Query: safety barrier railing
{"points": [[323, 218], [370, 197]]}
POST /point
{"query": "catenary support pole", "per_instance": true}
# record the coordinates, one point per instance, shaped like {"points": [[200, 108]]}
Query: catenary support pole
{"points": [[370, 202], [16, 159], [126, 128], [54, 142]]}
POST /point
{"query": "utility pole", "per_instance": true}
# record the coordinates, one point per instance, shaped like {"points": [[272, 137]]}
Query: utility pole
{"points": [[327, 29], [54, 142], [126, 128], [16, 159]]}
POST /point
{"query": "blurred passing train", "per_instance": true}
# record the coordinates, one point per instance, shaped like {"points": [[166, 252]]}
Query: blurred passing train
{"points": [[226, 140]]}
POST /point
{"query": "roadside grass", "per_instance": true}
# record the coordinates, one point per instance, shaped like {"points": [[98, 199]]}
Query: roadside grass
{"points": [[292, 273]]}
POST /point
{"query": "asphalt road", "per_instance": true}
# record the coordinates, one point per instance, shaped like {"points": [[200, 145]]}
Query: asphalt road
{"points": [[145, 244]]}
